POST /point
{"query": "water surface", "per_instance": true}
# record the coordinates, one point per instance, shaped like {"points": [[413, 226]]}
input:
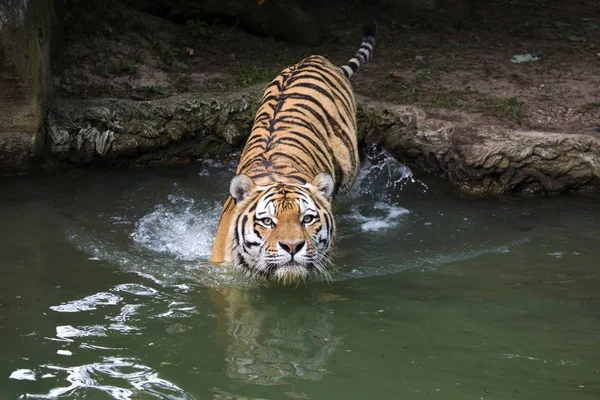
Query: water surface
{"points": [[106, 293]]}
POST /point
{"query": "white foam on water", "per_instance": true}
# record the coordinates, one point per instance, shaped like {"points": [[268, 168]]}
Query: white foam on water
{"points": [[68, 331], [22, 375], [179, 228], [376, 225], [88, 303], [376, 217]]}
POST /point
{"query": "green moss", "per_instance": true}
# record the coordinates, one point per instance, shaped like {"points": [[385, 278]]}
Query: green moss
{"points": [[427, 74], [492, 161], [198, 28], [446, 99], [128, 66], [503, 164], [248, 76], [160, 90], [504, 107], [169, 54]]}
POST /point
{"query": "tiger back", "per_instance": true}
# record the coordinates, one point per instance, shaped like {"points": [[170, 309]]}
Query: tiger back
{"points": [[277, 221]]}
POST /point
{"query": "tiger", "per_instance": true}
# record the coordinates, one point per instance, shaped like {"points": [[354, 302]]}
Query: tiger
{"points": [[277, 221]]}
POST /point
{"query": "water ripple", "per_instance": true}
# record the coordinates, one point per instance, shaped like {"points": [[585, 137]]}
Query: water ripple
{"points": [[68, 331], [88, 303], [135, 289], [122, 378]]}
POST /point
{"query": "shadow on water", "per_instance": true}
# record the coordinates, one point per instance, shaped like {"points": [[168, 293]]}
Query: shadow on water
{"points": [[107, 293]]}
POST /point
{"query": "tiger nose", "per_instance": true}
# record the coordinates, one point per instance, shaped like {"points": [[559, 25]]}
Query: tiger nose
{"points": [[292, 247]]}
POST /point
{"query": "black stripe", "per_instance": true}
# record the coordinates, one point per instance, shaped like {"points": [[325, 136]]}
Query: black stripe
{"points": [[310, 126], [335, 128], [306, 97], [274, 82], [324, 69], [237, 229], [316, 155], [253, 207], [341, 95], [269, 97], [323, 92], [272, 174], [262, 175], [255, 141], [315, 161], [316, 146], [353, 65], [318, 117], [298, 161]]}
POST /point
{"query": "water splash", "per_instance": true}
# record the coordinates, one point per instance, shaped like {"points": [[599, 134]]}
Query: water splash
{"points": [[210, 166], [382, 177], [88, 303], [181, 228], [376, 217], [372, 204]]}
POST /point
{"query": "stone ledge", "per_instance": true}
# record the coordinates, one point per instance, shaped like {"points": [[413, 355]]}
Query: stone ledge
{"points": [[478, 158]]}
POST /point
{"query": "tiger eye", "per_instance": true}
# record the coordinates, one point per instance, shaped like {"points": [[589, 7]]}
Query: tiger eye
{"points": [[307, 219], [267, 221]]}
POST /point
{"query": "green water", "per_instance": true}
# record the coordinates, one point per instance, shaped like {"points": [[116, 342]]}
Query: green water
{"points": [[105, 294]]}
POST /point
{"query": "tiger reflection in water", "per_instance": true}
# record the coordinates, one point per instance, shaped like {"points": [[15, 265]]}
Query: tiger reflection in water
{"points": [[266, 343]]}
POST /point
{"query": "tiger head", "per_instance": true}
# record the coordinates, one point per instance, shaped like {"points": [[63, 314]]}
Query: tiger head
{"points": [[282, 231]]}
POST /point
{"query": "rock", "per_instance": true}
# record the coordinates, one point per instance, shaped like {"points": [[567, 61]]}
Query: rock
{"points": [[481, 159], [177, 128], [478, 158], [281, 19], [185, 9], [26, 28]]}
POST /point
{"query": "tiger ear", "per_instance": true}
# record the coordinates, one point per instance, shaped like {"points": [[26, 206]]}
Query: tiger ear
{"points": [[240, 187], [324, 184]]}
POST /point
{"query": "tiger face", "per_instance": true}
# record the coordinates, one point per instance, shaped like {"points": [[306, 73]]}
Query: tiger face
{"points": [[283, 231]]}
